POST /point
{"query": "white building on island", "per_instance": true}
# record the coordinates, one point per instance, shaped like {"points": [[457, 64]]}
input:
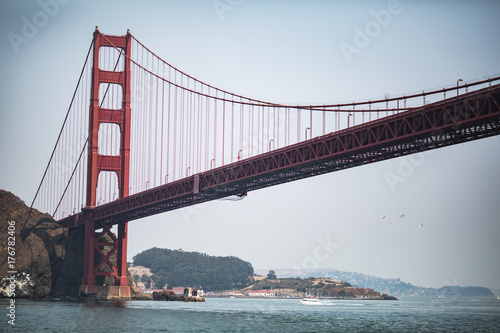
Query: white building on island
{"points": [[260, 293]]}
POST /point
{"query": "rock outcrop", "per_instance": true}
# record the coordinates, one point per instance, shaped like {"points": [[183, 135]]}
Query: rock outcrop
{"points": [[169, 295], [48, 257]]}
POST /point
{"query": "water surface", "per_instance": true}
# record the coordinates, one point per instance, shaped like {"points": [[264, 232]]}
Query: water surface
{"points": [[256, 315]]}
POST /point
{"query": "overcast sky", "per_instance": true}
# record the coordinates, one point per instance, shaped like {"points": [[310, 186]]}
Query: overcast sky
{"points": [[289, 52]]}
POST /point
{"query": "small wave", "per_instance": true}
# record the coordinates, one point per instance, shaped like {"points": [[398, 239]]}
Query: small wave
{"points": [[345, 304]]}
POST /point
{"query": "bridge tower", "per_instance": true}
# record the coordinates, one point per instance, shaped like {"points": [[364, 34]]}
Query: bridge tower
{"points": [[101, 246]]}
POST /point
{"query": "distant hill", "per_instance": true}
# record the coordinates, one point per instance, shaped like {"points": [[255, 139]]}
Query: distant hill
{"points": [[320, 287], [394, 286], [178, 268], [299, 284]]}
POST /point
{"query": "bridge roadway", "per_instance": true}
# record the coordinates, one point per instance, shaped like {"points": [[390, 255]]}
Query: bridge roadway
{"points": [[455, 120]]}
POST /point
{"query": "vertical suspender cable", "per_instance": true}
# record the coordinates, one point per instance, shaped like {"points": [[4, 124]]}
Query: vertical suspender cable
{"points": [[162, 120], [215, 130], [223, 126], [232, 132], [181, 136], [156, 132], [168, 127], [60, 132], [174, 138]]}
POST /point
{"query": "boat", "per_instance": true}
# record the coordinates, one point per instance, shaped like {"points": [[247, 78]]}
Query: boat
{"points": [[310, 301]]}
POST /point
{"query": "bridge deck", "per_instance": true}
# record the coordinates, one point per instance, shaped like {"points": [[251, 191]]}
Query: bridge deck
{"points": [[460, 119]]}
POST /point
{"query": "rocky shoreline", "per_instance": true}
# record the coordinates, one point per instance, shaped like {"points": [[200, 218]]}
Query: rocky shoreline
{"points": [[48, 257], [168, 295]]}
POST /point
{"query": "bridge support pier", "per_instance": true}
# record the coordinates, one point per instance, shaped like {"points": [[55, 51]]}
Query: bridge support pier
{"points": [[88, 263], [105, 292], [105, 263], [122, 279]]}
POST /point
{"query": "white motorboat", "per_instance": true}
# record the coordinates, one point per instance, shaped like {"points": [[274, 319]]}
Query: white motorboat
{"points": [[310, 301]]}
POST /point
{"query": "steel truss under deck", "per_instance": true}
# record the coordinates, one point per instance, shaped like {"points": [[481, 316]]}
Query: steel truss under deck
{"points": [[460, 119]]}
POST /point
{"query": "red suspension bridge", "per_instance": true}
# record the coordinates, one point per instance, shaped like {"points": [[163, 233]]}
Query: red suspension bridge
{"points": [[141, 137]]}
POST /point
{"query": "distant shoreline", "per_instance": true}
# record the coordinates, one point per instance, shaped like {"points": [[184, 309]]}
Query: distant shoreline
{"points": [[296, 297]]}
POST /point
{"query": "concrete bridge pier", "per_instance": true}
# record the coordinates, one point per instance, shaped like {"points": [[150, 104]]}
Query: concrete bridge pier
{"points": [[105, 292]]}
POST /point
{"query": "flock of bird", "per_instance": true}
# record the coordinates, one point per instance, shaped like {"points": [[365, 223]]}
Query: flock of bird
{"points": [[402, 216]]}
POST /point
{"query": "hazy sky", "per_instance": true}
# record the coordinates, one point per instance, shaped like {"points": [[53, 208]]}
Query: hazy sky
{"points": [[289, 52]]}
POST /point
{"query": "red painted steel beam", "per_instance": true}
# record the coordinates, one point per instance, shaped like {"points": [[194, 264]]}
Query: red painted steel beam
{"points": [[111, 77], [111, 116], [97, 163], [460, 119], [112, 41]]}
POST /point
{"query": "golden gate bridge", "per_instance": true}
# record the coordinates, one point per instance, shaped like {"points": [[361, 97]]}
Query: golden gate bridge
{"points": [[141, 137]]}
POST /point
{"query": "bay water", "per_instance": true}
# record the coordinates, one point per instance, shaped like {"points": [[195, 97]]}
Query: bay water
{"points": [[255, 315]]}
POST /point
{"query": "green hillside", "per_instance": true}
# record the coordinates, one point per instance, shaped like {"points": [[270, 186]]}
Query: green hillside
{"points": [[178, 268]]}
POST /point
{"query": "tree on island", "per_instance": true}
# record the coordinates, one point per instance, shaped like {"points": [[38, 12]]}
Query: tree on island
{"points": [[147, 281], [192, 269], [272, 275]]}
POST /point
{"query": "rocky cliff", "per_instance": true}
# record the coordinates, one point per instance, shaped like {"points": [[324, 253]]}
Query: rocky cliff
{"points": [[48, 257]]}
